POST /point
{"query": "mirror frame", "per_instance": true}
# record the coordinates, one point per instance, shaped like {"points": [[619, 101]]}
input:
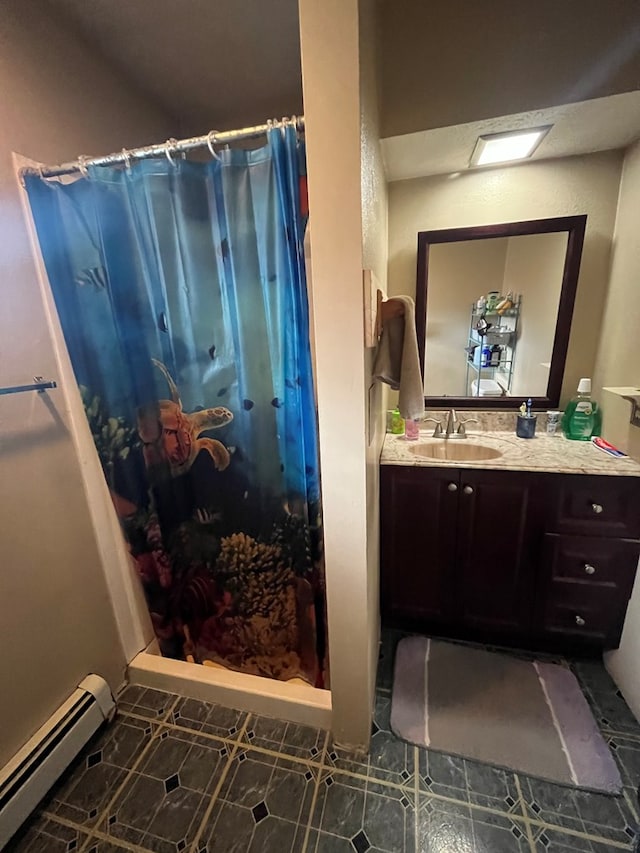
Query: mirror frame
{"points": [[575, 228]]}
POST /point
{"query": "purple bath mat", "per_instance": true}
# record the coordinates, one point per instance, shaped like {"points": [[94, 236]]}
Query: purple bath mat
{"points": [[530, 717]]}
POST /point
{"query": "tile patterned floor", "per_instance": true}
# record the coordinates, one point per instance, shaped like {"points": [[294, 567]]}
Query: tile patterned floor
{"points": [[174, 774]]}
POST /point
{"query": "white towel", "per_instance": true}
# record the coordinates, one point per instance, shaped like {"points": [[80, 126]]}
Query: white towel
{"points": [[397, 362]]}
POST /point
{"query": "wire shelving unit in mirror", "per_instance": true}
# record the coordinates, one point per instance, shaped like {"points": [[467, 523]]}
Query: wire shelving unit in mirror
{"points": [[491, 348]]}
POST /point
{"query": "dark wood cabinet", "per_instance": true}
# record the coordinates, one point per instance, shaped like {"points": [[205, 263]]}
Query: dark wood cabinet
{"points": [[496, 534], [594, 505], [540, 559], [584, 587], [457, 547], [589, 558], [420, 545]]}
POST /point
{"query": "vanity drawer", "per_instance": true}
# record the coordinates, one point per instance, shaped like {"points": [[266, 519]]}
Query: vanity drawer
{"points": [[584, 586], [595, 505], [582, 612], [591, 560]]}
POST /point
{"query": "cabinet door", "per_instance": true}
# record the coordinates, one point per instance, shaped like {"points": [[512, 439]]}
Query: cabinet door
{"points": [[498, 539], [418, 523]]}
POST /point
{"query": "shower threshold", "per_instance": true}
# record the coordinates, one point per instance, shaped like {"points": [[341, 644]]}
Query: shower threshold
{"points": [[287, 700]]}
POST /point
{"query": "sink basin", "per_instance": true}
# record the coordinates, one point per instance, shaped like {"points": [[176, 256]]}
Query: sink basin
{"points": [[460, 451]]}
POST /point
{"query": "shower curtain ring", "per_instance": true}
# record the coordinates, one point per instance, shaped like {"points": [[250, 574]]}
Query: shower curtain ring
{"points": [[82, 165], [127, 159], [214, 153], [170, 145]]}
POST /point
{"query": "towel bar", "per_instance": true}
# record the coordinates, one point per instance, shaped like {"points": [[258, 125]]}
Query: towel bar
{"points": [[39, 385], [377, 308], [386, 310]]}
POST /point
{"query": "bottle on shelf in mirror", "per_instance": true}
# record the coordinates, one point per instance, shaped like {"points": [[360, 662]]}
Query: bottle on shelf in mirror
{"points": [[491, 344], [492, 300]]}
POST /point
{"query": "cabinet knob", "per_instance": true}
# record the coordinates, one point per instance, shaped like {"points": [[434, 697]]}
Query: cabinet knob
{"points": [[597, 508], [452, 487], [468, 490], [590, 570], [580, 621]]}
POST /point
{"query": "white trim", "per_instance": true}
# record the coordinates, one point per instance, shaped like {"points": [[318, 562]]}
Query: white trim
{"points": [[31, 772], [563, 743], [299, 703], [132, 619]]}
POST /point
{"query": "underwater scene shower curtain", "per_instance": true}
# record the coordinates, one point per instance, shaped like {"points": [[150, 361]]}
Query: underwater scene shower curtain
{"points": [[181, 292]]}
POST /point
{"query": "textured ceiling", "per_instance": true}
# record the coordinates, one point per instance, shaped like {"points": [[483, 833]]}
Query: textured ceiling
{"points": [[206, 63], [598, 125], [445, 62], [222, 64]]}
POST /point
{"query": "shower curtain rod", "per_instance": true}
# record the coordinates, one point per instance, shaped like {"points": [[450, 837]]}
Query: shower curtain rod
{"points": [[168, 148]]}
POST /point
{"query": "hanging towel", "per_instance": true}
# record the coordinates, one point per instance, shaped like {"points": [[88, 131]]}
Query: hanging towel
{"points": [[397, 362]]}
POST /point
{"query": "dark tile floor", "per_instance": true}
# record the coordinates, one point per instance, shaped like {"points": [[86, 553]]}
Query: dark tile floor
{"points": [[174, 774]]}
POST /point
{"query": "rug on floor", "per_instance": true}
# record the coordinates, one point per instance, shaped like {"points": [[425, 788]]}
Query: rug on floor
{"points": [[526, 716]]}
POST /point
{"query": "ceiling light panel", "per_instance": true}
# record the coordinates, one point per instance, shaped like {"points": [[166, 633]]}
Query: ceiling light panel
{"points": [[505, 147]]}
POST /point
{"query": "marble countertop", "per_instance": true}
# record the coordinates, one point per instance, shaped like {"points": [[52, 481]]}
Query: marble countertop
{"points": [[542, 453]]}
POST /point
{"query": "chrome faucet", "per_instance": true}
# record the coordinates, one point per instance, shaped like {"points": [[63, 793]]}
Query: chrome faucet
{"points": [[451, 424], [455, 428]]}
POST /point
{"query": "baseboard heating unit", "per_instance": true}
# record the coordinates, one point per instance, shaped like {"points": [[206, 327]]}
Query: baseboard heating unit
{"points": [[34, 768]]}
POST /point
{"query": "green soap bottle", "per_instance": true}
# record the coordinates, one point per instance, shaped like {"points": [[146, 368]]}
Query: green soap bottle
{"points": [[397, 422], [582, 417]]}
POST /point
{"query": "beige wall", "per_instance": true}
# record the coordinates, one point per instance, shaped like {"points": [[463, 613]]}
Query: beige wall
{"points": [[534, 267], [375, 243], [459, 273], [329, 31], [618, 361], [56, 620], [573, 185], [619, 364], [447, 62]]}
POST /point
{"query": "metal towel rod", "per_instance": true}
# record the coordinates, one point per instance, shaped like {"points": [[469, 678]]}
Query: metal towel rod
{"points": [[39, 384]]}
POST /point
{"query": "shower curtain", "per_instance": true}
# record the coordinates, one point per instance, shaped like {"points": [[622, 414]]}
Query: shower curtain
{"points": [[181, 292]]}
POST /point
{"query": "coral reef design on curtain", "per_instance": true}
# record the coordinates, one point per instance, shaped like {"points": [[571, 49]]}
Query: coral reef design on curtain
{"points": [[181, 292]]}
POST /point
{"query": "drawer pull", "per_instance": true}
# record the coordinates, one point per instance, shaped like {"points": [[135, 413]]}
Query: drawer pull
{"points": [[580, 621], [452, 487], [468, 490], [597, 508], [590, 570]]}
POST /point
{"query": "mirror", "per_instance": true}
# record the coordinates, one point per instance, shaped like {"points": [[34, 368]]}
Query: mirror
{"points": [[493, 311]]}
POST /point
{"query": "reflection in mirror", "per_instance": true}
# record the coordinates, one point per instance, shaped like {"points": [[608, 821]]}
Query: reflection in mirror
{"points": [[493, 310]]}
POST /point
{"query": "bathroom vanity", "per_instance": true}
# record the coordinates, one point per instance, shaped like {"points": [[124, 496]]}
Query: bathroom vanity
{"points": [[537, 546]]}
